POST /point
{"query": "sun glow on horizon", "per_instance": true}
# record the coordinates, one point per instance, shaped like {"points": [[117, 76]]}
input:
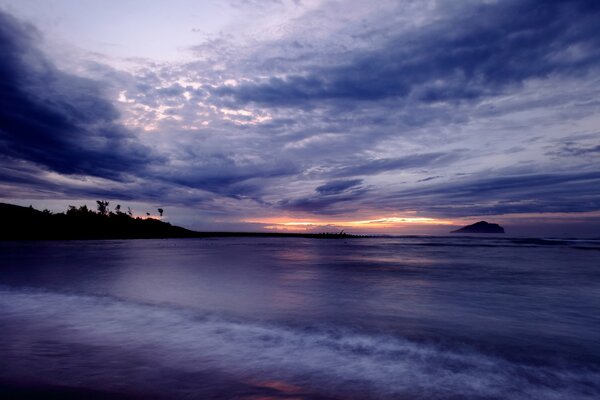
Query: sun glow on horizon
{"points": [[285, 223]]}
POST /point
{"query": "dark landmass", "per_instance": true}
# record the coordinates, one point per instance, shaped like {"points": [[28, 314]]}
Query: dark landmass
{"points": [[25, 391], [27, 223], [480, 227]]}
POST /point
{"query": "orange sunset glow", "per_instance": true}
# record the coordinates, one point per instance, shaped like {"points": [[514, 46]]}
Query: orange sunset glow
{"points": [[289, 223]]}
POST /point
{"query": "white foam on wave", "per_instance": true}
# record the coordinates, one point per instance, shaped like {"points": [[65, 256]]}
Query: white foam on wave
{"points": [[332, 361]]}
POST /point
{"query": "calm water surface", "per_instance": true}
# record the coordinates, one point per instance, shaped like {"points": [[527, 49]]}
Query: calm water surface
{"points": [[289, 318]]}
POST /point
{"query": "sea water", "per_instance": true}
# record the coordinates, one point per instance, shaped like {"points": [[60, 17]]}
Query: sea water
{"points": [[294, 318]]}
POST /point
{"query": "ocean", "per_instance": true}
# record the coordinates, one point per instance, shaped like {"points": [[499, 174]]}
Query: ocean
{"points": [[293, 318]]}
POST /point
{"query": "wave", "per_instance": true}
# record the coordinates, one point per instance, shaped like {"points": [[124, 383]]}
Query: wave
{"points": [[82, 340], [477, 241]]}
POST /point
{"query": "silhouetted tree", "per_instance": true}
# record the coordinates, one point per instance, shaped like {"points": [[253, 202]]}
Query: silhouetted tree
{"points": [[118, 208], [160, 211], [102, 207], [129, 212], [74, 211]]}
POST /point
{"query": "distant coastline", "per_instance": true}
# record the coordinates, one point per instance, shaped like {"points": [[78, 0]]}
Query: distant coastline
{"points": [[27, 223]]}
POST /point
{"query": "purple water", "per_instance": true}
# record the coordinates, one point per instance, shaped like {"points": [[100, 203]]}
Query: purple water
{"points": [[290, 318]]}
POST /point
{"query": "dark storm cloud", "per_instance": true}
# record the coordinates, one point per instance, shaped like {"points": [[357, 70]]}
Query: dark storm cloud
{"points": [[531, 193], [223, 174], [373, 167], [336, 187], [54, 121], [573, 149], [57, 120], [503, 194], [525, 183], [479, 51], [334, 197], [20, 179], [429, 178], [339, 203]]}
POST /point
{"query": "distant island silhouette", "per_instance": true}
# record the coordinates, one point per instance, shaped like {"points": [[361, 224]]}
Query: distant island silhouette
{"points": [[27, 223], [480, 227]]}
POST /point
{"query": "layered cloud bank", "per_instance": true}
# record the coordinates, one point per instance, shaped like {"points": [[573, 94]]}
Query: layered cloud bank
{"points": [[340, 113]]}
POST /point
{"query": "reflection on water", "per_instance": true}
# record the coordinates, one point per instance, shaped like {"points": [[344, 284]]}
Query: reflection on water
{"points": [[251, 318]]}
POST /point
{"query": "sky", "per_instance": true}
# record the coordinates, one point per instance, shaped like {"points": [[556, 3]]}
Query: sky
{"points": [[397, 117]]}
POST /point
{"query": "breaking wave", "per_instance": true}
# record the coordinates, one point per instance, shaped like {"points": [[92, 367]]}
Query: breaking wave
{"points": [[82, 341]]}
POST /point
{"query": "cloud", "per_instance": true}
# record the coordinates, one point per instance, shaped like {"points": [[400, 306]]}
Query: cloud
{"points": [[341, 203], [477, 51], [333, 197], [429, 178], [224, 174], [438, 108], [372, 167], [501, 194], [337, 187], [572, 149], [56, 120]]}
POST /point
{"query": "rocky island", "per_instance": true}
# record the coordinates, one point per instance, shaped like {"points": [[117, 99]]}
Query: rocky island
{"points": [[480, 227]]}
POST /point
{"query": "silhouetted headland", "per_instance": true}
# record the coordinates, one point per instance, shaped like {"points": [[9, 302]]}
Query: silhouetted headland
{"points": [[480, 227], [27, 223]]}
